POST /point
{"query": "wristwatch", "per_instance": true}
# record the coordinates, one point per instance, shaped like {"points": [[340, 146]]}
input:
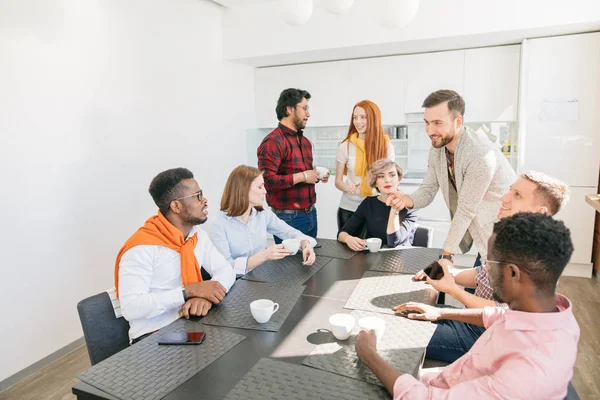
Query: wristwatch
{"points": [[447, 257], [185, 298]]}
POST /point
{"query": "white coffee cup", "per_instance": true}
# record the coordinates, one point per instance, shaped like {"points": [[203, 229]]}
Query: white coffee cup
{"points": [[292, 245], [322, 171], [373, 323], [263, 309], [342, 325], [373, 244]]}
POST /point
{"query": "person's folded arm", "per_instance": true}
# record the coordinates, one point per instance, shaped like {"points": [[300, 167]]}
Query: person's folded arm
{"points": [[270, 154], [215, 263], [504, 383], [136, 270], [403, 228]]}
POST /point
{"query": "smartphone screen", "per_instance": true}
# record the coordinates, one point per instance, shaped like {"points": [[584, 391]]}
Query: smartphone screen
{"points": [[181, 338], [434, 271]]}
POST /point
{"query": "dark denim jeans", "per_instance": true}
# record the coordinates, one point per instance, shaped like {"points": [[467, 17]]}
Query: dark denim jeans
{"points": [[452, 339], [305, 223]]}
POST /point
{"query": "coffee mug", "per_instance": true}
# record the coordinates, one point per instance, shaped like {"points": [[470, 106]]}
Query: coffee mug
{"points": [[342, 325], [322, 171], [373, 244], [263, 309], [292, 245], [373, 323]]}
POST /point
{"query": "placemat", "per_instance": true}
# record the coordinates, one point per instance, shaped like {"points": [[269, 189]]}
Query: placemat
{"points": [[381, 291], [148, 371], [333, 248], [403, 347], [234, 310], [405, 261], [270, 379], [288, 270]]}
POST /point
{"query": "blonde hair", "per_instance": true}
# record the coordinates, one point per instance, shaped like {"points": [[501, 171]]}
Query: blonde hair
{"points": [[236, 200], [379, 167], [552, 192]]}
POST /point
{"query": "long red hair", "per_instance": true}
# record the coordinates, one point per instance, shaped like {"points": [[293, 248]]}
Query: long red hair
{"points": [[376, 141]]}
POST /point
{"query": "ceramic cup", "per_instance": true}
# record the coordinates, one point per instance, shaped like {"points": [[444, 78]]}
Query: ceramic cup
{"points": [[373, 244], [292, 245], [322, 171], [263, 309], [342, 325], [373, 323]]}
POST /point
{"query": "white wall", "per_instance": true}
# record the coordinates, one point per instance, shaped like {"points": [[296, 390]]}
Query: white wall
{"points": [[257, 34], [96, 98]]}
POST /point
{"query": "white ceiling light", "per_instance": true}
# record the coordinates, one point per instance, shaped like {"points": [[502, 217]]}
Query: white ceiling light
{"points": [[338, 6], [394, 13], [296, 12]]}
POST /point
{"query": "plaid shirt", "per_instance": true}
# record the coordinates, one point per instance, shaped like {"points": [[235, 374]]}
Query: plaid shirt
{"points": [[484, 288], [279, 157]]}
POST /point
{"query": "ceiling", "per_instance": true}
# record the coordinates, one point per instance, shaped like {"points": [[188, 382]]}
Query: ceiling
{"points": [[235, 4]]}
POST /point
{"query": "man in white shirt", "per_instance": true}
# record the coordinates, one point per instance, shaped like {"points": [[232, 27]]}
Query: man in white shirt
{"points": [[158, 270]]}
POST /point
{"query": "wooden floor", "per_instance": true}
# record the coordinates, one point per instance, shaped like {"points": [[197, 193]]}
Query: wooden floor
{"points": [[55, 381]]}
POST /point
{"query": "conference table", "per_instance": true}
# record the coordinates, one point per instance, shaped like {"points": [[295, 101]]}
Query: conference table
{"points": [[305, 328]]}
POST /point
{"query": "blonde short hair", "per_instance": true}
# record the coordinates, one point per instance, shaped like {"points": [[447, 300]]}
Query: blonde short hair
{"points": [[379, 167], [552, 192]]}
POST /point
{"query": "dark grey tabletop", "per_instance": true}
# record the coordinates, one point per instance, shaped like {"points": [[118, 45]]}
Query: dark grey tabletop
{"points": [[304, 329]]}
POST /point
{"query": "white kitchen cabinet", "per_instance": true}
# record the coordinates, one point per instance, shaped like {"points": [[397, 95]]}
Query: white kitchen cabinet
{"points": [[328, 83], [492, 83], [426, 73], [380, 80]]}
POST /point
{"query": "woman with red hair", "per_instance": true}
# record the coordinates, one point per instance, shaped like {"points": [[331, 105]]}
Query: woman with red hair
{"points": [[366, 143]]}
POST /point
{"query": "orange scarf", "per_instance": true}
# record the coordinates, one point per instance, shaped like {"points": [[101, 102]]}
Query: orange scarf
{"points": [[159, 231]]}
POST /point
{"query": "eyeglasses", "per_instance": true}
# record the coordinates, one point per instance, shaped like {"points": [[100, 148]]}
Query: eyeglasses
{"points": [[487, 267], [199, 195]]}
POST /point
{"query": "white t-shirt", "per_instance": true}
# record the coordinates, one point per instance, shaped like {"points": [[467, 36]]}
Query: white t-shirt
{"points": [[346, 154]]}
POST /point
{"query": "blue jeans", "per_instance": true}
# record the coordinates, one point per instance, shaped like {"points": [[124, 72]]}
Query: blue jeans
{"points": [[305, 223], [452, 339]]}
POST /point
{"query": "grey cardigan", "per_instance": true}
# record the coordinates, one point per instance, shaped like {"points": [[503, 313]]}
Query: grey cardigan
{"points": [[483, 175]]}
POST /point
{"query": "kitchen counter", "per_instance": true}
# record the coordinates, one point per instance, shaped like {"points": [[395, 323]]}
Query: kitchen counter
{"points": [[594, 201]]}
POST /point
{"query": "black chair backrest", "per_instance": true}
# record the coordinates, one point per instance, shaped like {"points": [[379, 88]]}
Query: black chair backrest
{"points": [[423, 236], [104, 333]]}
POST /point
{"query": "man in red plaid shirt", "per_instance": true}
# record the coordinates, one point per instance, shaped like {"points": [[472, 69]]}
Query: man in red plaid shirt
{"points": [[285, 157]]}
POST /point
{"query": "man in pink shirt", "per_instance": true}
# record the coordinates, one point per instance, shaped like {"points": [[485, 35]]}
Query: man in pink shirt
{"points": [[528, 351]]}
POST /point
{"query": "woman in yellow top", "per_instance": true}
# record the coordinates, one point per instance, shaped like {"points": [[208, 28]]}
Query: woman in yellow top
{"points": [[366, 143]]}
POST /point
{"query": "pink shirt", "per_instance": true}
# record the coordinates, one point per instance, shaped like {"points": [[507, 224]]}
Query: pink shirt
{"points": [[521, 355]]}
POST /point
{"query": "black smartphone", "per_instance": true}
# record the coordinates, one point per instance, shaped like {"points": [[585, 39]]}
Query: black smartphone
{"points": [[174, 338], [434, 271]]}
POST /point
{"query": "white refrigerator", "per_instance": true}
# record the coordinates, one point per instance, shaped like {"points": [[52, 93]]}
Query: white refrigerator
{"points": [[559, 127]]}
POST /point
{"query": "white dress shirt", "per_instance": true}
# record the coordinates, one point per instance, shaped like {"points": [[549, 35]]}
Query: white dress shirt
{"points": [[238, 241], [150, 285]]}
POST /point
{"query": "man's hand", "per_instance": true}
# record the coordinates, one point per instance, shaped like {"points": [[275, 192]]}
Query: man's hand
{"points": [[196, 306], [325, 179], [312, 176], [212, 291], [420, 276], [356, 244], [399, 201], [423, 311], [447, 283], [276, 252], [365, 343], [308, 255]]}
